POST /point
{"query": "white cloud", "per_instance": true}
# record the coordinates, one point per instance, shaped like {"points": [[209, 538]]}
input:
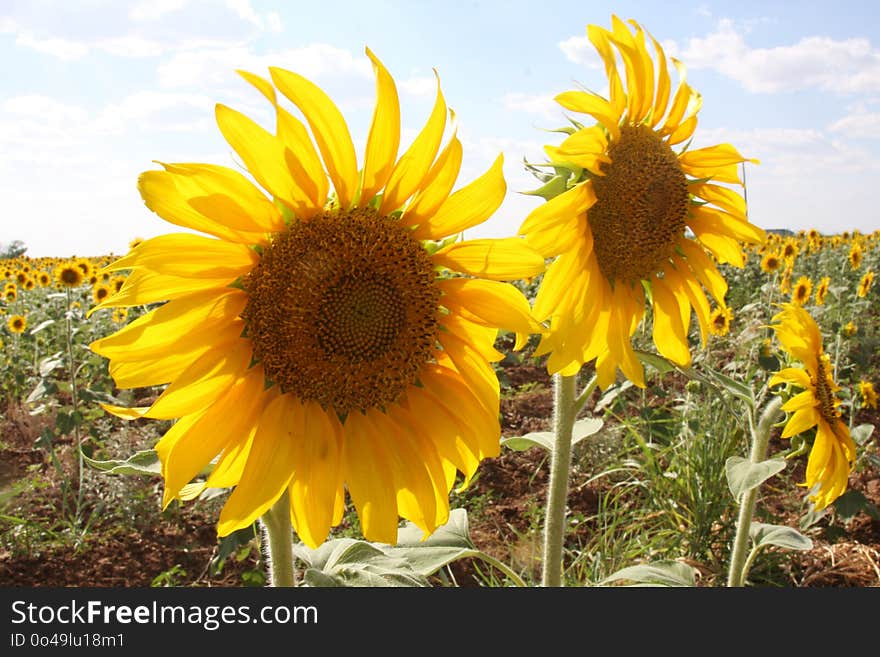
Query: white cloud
{"points": [[216, 66], [542, 104], [149, 10], [156, 111], [849, 65], [60, 48], [419, 86], [579, 50], [858, 125]]}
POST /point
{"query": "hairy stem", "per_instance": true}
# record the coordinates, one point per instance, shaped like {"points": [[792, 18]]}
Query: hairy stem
{"points": [[279, 532]]}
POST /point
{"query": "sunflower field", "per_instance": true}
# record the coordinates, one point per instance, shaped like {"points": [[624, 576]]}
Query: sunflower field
{"points": [[322, 382], [647, 485]]}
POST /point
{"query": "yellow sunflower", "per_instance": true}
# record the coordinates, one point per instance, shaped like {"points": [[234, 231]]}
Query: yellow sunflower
{"points": [[868, 394], [850, 329], [865, 283], [619, 235], [790, 252], [802, 291], [855, 255], [770, 262], [822, 290], [17, 323], [323, 343], [69, 274], [44, 279], [100, 293], [832, 454], [719, 321]]}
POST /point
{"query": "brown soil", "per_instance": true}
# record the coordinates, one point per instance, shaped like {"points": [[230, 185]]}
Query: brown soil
{"points": [[130, 542]]}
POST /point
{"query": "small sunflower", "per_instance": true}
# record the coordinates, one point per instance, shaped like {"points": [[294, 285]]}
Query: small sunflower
{"points": [[135, 242], [771, 262], [868, 394], [638, 221], [323, 344], [790, 250], [10, 294], [100, 293], [832, 454], [85, 266], [855, 255], [719, 321], [17, 323], [865, 283], [69, 274], [822, 290], [44, 279], [802, 291], [850, 329], [119, 315]]}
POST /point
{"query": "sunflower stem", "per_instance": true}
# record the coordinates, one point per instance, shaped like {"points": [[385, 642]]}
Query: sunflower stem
{"points": [[74, 401], [760, 441], [564, 388], [279, 533]]}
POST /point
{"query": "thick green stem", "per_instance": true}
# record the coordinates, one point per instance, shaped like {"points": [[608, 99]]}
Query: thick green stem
{"points": [[279, 532], [760, 440], [564, 388]]}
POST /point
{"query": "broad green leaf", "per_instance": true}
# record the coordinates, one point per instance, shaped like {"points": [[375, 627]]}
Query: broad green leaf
{"points": [[743, 475], [350, 562], [861, 433], [660, 573], [448, 543], [852, 502], [780, 536], [611, 394], [545, 439], [145, 462]]}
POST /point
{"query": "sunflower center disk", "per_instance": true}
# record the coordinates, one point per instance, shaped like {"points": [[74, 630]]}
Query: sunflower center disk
{"points": [[342, 310], [641, 206], [824, 392]]}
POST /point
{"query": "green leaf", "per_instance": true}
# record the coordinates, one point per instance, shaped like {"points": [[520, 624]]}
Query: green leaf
{"points": [[780, 536], [851, 502], [660, 573], [448, 543], [350, 562], [662, 365], [553, 188], [861, 433], [145, 462], [743, 475], [546, 439]]}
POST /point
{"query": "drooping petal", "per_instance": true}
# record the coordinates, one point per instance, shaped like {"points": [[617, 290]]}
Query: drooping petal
{"points": [[329, 128], [503, 259]]}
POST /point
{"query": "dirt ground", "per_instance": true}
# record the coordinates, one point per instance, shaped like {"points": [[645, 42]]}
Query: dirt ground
{"points": [[131, 543]]}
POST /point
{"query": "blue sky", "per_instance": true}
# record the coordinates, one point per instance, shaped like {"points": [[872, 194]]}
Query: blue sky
{"points": [[93, 91]]}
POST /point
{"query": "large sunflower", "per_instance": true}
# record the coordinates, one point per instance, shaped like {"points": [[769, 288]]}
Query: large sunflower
{"points": [[833, 452], [323, 342], [620, 233]]}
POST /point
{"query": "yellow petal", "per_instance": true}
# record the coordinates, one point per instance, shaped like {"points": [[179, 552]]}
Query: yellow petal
{"points": [[231, 417], [639, 83], [704, 269], [794, 375], [268, 470], [143, 287], [226, 196], [187, 255], [316, 444], [594, 105], [369, 476], [490, 303], [722, 223], [664, 85], [586, 148], [173, 327], [264, 156], [805, 399], [469, 206], [203, 381], [476, 372], [800, 421], [409, 172], [496, 259], [680, 101], [153, 371], [670, 335], [436, 186], [329, 128], [712, 157], [168, 195], [599, 37], [480, 337], [384, 136], [722, 197], [556, 213]]}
